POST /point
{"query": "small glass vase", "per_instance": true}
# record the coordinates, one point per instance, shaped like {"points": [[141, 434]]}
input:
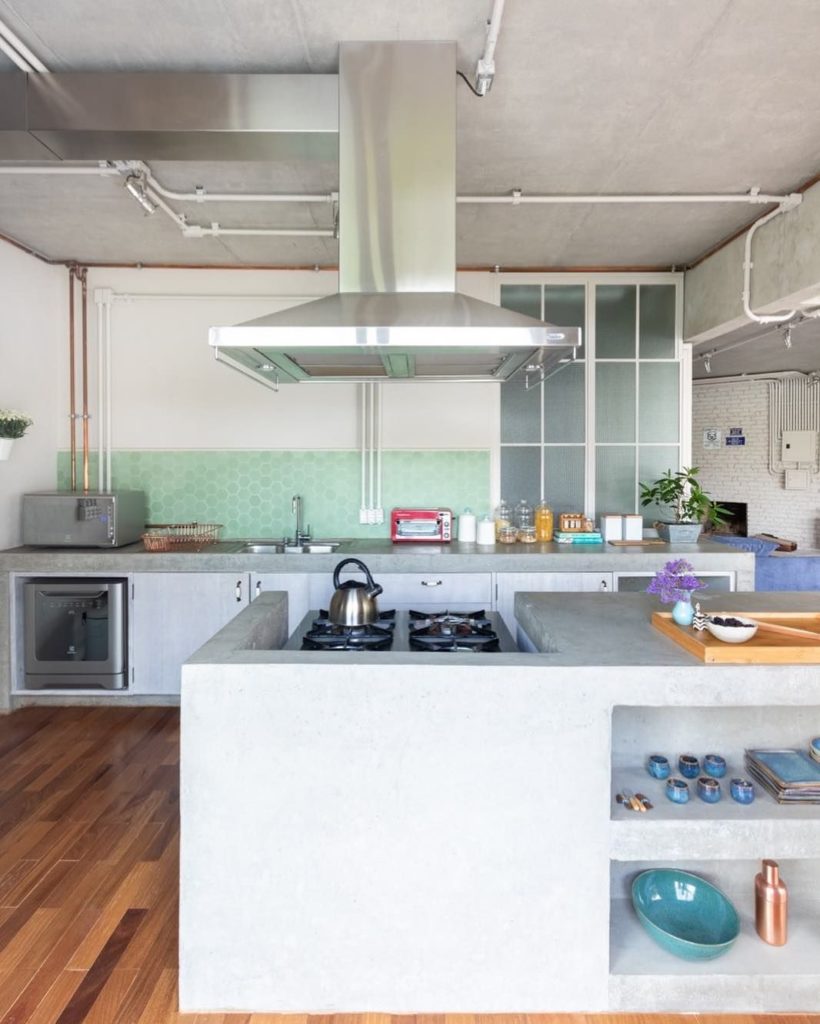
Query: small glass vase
{"points": [[682, 611]]}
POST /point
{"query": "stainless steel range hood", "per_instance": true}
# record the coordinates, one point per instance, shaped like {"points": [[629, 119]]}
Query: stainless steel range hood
{"points": [[397, 314]]}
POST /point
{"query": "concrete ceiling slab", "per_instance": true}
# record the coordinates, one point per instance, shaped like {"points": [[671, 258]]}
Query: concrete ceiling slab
{"points": [[603, 96], [760, 348]]}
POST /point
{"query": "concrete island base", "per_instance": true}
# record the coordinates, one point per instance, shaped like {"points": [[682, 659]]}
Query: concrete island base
{"points": [[411, 835]]}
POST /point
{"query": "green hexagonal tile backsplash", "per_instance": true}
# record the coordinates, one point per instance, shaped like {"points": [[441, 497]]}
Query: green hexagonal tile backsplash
{"points": [[250, 492]]}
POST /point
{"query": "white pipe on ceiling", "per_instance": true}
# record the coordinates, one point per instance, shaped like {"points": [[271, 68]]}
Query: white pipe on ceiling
{"points": [[17, 51], [788, 203], [104, 169]]}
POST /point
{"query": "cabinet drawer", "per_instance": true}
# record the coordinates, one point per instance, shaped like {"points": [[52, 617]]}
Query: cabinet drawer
{"points": [[446, 589]]}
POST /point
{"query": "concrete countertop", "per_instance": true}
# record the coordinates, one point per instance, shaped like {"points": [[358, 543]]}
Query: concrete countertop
{"points": [[383, 556], [616, 629]]}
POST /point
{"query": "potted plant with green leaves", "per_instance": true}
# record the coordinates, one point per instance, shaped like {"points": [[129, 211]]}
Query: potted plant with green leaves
{"points": [[683, 503], [13, 425]]}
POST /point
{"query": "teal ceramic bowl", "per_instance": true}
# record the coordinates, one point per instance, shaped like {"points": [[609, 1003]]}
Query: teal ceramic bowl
{"points": [[684, 913]]}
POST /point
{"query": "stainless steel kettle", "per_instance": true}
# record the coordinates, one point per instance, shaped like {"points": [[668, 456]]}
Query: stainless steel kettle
{"points": [[353, 602]]}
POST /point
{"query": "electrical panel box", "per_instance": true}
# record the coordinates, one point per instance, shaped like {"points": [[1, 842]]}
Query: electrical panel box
{"points": [[798, 446]]}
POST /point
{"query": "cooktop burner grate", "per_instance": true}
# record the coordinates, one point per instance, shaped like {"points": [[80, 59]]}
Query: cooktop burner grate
{"points": [[325, 636]]}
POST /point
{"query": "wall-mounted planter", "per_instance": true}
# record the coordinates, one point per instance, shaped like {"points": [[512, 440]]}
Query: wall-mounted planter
{"points": [[6, 444], [679, 533]]}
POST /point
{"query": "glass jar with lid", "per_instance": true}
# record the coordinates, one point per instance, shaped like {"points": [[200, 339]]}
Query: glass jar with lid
{"points": [[503, 517], [526, 535], [507, 534], [544, 522], [523, 516]]}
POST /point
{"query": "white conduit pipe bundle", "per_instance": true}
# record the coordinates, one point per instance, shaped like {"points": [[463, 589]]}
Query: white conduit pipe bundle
{"points": [[794, 404], [370, 510]]}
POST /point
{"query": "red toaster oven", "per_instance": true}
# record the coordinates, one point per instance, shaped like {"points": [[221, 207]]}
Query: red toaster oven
{"points": [[421, 524]]}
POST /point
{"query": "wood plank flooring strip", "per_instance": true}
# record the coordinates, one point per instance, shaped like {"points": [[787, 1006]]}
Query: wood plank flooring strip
{"points": [[12, 984], [51, 1006], [40, 983], [111, 997], [83, 999]]}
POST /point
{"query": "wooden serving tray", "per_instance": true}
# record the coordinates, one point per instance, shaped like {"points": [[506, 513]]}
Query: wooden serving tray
{"points": [[763, 649]]}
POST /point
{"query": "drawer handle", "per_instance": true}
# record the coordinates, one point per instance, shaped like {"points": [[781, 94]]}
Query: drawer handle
{"points": [[431, 583]]}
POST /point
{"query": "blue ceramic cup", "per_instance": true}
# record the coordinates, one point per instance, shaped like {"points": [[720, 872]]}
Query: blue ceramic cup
{"points": [[742, 790], [688, 766], [709, 790], [658, 766], [714, 765], [677, 790]]}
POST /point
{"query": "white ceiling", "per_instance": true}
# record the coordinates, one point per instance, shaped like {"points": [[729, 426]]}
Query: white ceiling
{"points": [[597, 96]]}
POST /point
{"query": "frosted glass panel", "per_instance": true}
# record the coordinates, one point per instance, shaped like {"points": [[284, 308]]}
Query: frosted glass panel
{"points": [[564, 416], [523, 298], [565, 305], [521, 474], [564, 479], [615, 401], [658, 402], [520, 412], [653, 463], [657, 326], [615, 312], [615, 480]]}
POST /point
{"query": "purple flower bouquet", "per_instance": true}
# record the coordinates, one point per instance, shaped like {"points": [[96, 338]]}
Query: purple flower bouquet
{"points": [[675, 582]]}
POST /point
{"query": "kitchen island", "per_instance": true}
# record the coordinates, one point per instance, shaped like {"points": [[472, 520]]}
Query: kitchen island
{"points": [[436, 832]]}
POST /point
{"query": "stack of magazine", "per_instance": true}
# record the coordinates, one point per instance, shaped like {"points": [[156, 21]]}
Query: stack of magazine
{"points": [[791, 776]]}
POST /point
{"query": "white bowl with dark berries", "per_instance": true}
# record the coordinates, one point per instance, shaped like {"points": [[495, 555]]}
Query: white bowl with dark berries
{"points": [[731, 629]]}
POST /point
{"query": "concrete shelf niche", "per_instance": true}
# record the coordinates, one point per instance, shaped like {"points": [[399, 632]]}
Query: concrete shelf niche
{"points": [[722, 842], [751, 976]]}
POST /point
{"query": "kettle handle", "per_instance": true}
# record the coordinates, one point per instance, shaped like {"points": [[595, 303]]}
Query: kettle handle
{"points": [[373, 589]]}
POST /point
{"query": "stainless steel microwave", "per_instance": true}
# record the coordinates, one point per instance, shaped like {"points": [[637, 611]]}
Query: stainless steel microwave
{"points": [[90, 519]]}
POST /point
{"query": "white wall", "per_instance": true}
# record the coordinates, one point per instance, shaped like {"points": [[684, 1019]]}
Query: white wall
{"points": [[742, 473], [33, 332], [169, 393]]}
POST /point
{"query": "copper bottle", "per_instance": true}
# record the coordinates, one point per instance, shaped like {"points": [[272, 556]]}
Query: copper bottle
{"points": [[771, 905]]}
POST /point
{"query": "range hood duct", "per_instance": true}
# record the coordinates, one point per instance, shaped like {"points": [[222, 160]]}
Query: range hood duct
{"points": [[397, 314]]}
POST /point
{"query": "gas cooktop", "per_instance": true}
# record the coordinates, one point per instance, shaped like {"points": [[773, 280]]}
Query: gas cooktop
{"points": [[470, 630]]}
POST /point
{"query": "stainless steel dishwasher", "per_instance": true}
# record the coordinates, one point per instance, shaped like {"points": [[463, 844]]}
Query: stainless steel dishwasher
{"points": [[75, 633]]}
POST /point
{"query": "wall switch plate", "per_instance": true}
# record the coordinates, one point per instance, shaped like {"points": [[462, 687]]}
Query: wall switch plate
{"points": [[798, 446]]}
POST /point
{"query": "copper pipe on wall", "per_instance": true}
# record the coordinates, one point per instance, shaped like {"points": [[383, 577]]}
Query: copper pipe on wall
{"points": [[83, 275], [72, 394]]}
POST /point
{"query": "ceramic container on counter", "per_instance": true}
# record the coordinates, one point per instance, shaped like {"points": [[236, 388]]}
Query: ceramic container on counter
{"points": [[658, 766], [708, 790], [688, 766], [714, 765], [814, 748], [677, 791], [742, 790]]}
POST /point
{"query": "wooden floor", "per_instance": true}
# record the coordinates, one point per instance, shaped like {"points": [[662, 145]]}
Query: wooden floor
{"points": [[89, 845]]}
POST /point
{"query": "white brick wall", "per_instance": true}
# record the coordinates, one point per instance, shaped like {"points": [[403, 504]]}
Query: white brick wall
{"points": [[742, 473]]}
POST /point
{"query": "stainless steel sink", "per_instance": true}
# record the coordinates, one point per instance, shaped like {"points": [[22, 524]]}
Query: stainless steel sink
{"points": [[316, 547]]}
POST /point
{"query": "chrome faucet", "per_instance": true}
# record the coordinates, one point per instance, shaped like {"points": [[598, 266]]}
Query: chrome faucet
{"points": [[301, 536]]}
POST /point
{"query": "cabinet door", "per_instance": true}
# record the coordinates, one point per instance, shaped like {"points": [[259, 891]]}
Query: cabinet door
{"points": [[508, 584], [297, 585], [174, 613]]}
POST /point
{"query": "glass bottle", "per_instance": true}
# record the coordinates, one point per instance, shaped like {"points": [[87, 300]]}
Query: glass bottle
{"points": [[544, 522], [503, 517]]}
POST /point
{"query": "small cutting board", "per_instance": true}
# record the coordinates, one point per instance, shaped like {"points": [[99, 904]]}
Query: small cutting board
{"points": [[764, 648]]}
